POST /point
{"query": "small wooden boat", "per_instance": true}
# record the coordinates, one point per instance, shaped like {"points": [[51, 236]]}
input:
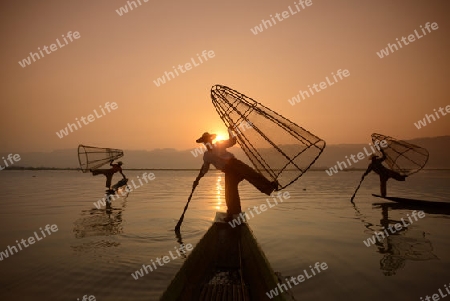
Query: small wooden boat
{"points": [[227, 264], [417, 203]]}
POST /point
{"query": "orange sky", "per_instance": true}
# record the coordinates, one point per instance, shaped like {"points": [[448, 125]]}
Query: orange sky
{"points": [[117, 58]]}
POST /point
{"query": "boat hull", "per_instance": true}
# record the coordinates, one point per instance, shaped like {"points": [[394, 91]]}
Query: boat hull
{"points": [[417, 203], [227, 264]]}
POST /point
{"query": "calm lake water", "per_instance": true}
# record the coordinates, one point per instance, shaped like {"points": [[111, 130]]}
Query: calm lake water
{"points": [[95, 251]]}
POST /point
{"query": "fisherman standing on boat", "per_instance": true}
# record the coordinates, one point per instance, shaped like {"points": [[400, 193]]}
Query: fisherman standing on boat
{"points": [[108, 173], [234, 169], [384, 173]]}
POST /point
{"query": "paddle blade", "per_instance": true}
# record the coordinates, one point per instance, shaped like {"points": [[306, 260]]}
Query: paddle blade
{"points": [[178, 226]]}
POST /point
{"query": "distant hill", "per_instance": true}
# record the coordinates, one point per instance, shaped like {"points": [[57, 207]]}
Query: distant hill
{"points": [[174, 159]]}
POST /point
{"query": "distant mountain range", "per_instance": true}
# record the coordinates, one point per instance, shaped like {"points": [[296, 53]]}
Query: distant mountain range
{"points": [[438, 148]]}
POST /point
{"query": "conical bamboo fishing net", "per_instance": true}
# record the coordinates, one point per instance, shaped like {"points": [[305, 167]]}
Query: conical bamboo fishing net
{"points": [[278, 148], [91, 157], [402, 157]]}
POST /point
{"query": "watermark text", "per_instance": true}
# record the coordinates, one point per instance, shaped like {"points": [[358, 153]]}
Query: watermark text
{"points": [[242, 217], [360, 156], [183, 249], [319, 267], [302, 95], [168, 76], [10, 158], [11, 250], [380, 236], [265, 24], [423, 122], [86, 120], [35, 55], [411, 38]]}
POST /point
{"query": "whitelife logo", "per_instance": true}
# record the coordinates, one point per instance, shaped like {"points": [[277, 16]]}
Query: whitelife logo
{"points": [[31, 240], [183, 249], [188, 66], [10, 157], [398, 227], [124, 9], [319, 87], [265, 24], [34, 55], [423, 122], [90, 118], [360, 155], [411, 38]]}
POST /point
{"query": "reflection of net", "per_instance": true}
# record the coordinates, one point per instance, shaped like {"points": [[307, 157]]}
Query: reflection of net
{"points": [[402, 157], [273, 143], [399, 248], [91, 157], [97, 223]]}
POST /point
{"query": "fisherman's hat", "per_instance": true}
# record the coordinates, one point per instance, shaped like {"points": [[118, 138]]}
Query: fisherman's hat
{"points": [[206, 137]]}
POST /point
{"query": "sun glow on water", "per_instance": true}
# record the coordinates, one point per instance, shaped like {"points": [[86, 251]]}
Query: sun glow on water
{"points": [[219, 192]]}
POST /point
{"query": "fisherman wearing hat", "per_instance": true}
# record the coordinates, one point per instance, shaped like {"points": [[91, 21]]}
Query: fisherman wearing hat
{"points": [[384, 173], [234, 169], [109, 172]]}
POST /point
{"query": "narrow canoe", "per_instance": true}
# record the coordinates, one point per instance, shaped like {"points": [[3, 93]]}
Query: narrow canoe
{"points": [[417, 203], [227, 264]]}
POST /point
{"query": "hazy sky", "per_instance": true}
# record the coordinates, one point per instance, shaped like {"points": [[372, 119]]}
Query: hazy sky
{"points": [[118, 58]]}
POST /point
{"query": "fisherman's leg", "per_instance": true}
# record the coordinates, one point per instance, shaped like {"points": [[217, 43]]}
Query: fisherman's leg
{"points": [[99, 171], [108, 180], [254, 177], [383, 182], [232, 193], [397, 176]]}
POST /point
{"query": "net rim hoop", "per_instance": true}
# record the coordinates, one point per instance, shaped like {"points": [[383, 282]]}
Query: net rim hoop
{"points": [[216, 93], [386, 137]]}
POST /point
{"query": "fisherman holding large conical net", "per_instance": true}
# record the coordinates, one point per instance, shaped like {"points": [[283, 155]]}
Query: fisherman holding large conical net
{"points": [[234, 169], [91, 158], [376, 165], [279, 150], [398, 160], [109, 173]]}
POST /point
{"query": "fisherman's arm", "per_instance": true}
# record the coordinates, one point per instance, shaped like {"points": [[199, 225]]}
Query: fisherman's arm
{"points": [[231, 140], [203, 171]]}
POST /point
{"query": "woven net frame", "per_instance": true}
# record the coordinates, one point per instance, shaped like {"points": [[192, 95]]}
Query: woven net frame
{"points": [[401, 156], [275, 145], [91, 157]]}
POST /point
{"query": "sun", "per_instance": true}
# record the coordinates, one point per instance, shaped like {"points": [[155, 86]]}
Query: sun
{"points": [[220, 136]]}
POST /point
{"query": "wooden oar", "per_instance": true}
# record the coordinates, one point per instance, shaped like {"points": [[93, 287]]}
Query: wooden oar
{"points": [[177, 227], [357, 188]]}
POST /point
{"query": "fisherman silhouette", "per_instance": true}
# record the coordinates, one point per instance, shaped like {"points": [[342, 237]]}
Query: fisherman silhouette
{"points": [[108, 173], [234, 169], [385, 174]]}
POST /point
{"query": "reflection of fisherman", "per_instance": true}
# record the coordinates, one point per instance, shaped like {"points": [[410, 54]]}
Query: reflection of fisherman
{"points": [[385, 174], [108, 173], [234, 169]]}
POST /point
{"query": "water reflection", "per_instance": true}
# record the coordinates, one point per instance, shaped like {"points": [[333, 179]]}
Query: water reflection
{"points": [[180, 241], [219, 190], [400, 246], [102, 222], [405, 244]]}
